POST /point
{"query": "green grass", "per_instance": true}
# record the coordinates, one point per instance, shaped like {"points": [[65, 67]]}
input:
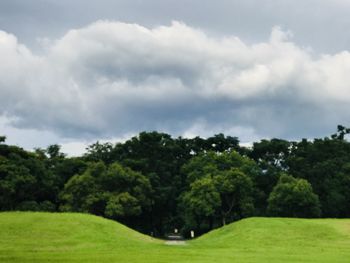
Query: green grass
{"points": [[69, 237]]}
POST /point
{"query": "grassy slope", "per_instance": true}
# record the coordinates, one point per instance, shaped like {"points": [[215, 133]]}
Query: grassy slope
{"points": [[45, 237]]}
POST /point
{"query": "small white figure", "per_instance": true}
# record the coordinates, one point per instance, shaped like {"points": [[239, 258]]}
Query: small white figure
{"points": [[192, 234]]}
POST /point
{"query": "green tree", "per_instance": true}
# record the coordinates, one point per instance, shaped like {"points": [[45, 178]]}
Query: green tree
{"points": [[293, 197], [158, 157], [271, 156], [325, 164], [235, 189], [201, 202], [23, 178], [54, 151], [16, 184], [122, 205], [231, 179], [114, 191], [100, 152]]}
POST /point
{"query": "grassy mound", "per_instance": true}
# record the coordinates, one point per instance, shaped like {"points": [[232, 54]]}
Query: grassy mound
{"points": [[69, 237], [282, 240]]}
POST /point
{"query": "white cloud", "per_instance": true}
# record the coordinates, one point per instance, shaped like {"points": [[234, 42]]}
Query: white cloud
{"points": [[109, 79]]}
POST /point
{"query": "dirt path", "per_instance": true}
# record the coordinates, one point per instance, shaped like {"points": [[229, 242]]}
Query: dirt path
{"points": [[175, 242]]}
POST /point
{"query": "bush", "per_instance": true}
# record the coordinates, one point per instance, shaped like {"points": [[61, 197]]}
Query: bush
{"points": [[46, 206], [28, 206]]}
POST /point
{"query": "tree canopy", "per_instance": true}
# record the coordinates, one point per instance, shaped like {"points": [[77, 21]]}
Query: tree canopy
{"points": [[293, 197], [154, 182]]}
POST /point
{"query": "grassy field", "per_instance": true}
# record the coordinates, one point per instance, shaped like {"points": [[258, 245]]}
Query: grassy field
{"points": [[50, 237]]}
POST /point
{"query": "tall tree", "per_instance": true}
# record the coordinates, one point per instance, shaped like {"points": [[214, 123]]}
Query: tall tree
{"points": [[200, 204], [236, 194], [159, 158], [272, 157], [324, 163], [231, 175]]}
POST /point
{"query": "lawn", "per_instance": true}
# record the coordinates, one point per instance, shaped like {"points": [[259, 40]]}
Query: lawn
{"points": [[69, 237]]}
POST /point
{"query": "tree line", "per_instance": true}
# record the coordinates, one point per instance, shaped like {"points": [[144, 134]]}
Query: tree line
{"points": [[155, 183]]}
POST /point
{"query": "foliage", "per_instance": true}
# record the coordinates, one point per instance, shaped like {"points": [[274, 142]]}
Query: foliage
{"points": [[113, 191], [293, 197], [220, 187], [325, 164], [154, 182], [200, 202], [23, 178], [100, 152]]}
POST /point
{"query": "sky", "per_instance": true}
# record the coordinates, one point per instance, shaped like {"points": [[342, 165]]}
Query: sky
{"points": [[74, 72]]}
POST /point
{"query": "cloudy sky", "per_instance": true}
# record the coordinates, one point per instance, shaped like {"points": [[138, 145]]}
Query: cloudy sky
{"points": [[73, 72]]}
